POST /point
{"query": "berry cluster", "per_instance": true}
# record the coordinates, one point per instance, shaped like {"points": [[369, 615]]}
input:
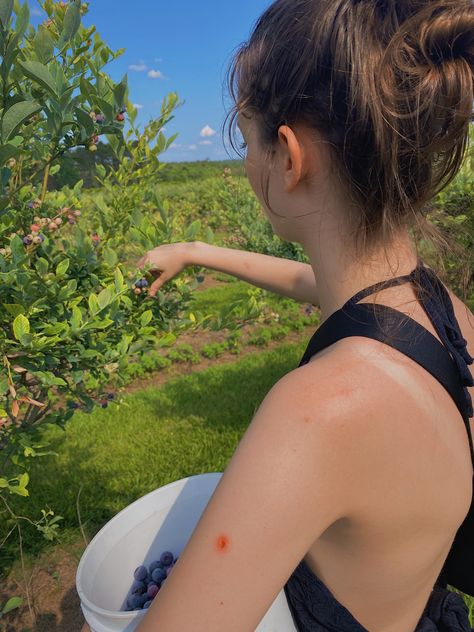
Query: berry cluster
{"points": [[141, 286], [100, 119], [121, 115], [148, 581], [46, 223]]}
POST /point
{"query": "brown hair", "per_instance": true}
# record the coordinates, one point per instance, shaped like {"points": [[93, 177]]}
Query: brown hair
{"points": [[387, 83]]}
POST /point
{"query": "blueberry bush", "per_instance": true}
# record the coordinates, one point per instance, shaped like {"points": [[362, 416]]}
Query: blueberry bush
{"points": [[72, 312]]}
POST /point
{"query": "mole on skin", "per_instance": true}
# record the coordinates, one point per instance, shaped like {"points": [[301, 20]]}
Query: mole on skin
{"points": [[222, 543]]}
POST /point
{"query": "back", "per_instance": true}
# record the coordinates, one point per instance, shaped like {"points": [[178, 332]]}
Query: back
{"points": [[382, 561]]}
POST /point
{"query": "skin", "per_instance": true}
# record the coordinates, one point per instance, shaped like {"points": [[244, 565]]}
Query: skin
{"points": [[309, 207]]}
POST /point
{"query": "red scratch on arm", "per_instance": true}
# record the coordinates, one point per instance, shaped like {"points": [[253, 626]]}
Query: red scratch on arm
{"points": [[222, 543]]}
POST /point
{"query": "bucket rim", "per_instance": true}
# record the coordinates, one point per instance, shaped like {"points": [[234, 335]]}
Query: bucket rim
{"points": [[123, 614]]}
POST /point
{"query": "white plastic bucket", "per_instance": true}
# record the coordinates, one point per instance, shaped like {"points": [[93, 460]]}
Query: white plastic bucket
{"points": [[162, 520]]}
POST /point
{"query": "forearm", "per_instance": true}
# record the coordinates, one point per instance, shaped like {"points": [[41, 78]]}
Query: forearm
{"points": [[281, 276]]}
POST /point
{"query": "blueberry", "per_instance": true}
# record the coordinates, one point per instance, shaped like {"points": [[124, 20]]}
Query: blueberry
{"points": [[158, 575], [110, 396], [155, 564], [136, 601], [138, 588], [152, 591], [147, 604], [166, 558], [144, 283], [140, 573]]}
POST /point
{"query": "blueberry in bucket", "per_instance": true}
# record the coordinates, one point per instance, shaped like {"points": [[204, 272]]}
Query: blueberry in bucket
{"points": [[158, 575], [152, 591], [138, 588], [155, 564], [141, 573], [166, 558]]}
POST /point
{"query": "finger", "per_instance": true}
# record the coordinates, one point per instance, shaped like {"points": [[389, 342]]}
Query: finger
{"points": [[156, 285]]}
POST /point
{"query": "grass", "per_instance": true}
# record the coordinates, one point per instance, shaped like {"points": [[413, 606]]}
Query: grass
{"points": [[213, 299], [189, 426]]}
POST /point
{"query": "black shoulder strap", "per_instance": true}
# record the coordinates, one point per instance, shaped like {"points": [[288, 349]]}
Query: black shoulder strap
{"points": [[397, 330], [391, 327]]}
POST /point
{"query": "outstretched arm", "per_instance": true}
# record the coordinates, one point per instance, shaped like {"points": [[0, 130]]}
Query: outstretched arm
{"points": [[281, 276]]}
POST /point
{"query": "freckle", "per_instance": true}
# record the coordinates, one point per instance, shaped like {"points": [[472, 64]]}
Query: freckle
{"points": [[222, 603], [307, 419], [222, 543]]}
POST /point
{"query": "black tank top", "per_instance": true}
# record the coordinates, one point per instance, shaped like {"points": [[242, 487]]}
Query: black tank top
{"points": [[313, 607]]}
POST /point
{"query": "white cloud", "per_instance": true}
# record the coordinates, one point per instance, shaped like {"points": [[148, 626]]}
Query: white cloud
{"points": [[158, 60], [155, 74], [175, 146], [193, 147], [141, 67], [137, 106], [207, 131], [205, 142]]}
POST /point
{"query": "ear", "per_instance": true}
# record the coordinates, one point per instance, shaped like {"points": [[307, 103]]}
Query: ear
{"points": [[294, 156]]}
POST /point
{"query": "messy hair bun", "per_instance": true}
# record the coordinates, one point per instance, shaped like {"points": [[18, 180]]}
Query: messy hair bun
{"points": [[426, 95], [387, 83]]}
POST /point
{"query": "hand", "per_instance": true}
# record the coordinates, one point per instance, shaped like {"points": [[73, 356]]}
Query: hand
{"points": [[166, 262], [86, 628]]}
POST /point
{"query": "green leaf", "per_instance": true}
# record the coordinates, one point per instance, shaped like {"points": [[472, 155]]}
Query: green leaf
{"points": [[26, 339], [22, 19], [14, 309], [3, 482], [110, 256], [43, 44], [62, 267], [76, 319], [99, 324], [72, 22], [12, 603], [21, 491], [101, 170], [21, 325], [24, 480], [56, 328], [7, 152], [120, 90], [105, 297], [118, 277], [39, 72], [85, 121], [93, 305], [6, 9], [49, 379], [16, 116], [192, 230], [42, 265], [146, 318]]}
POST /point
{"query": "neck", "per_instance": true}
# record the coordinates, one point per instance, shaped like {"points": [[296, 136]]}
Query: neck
{"points": [[339, 275]]}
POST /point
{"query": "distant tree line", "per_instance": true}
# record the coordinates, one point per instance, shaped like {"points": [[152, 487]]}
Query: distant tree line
{"points": [[80, 164]]}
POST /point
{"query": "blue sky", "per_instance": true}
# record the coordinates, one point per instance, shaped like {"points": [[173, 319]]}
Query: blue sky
{"points": [[178, 46]]}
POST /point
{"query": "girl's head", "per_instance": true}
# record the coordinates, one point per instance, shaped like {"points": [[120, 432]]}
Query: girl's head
{"points": [[384, 86]]}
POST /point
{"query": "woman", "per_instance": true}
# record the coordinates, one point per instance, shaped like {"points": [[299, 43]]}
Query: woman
{"points": [[356, 472]]}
